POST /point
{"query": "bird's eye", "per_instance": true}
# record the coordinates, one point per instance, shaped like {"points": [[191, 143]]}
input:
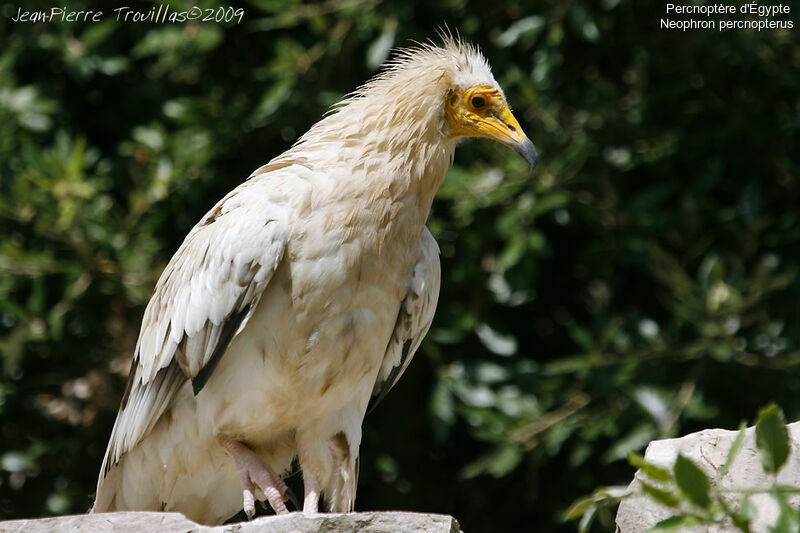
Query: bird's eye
{"points": [[478, 102]]}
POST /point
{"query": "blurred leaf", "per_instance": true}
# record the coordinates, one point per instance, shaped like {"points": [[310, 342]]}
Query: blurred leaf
{"points": [[655, 472], [735, 447], [691, 481], [743, 515], [633, 441], [171, 39], [379, 50], [596, 504], [442, 408], [495, 341], [497, 463], [271, 101], [788, 517], [587, 518], [528, 26], [772, 439], [583, 22], [578, 508], [662, 496], [675, 523]]}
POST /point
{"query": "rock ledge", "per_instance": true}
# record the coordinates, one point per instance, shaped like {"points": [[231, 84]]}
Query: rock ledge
{"points": [[136, 522], [709, 451]]}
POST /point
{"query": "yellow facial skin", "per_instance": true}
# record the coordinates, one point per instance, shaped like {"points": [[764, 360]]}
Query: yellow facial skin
{"points": [[482, 112]]}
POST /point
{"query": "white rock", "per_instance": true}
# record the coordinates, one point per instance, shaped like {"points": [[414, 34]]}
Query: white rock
{"points": [[709, 450], [137, 522]]}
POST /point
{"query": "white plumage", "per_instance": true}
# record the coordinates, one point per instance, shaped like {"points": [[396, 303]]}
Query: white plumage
{"points": [[300, 296]]}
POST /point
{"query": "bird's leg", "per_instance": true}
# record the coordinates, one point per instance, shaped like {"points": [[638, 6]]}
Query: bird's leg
{"points": [[253, 472], [248, 494], [311, 499]]}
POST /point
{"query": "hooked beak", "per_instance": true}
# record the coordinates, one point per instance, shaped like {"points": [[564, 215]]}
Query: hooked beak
{"points": [[503, 127], [527, 150]]}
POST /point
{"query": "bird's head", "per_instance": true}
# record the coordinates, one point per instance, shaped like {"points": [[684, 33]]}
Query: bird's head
{"points": [[481, 110], [428, 94], [474, 104]]}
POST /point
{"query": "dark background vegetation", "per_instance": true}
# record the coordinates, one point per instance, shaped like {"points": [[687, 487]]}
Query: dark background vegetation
{"points": [[642, 283]]}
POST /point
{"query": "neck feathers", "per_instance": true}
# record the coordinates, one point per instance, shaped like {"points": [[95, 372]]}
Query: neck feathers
{"points": [[391, 134]]}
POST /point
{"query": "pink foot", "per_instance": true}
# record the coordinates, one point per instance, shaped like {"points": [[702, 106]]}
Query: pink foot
{"points": [[254, 473]]}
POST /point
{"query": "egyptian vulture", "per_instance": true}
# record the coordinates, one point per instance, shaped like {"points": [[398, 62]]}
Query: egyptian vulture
{"points": [[298, 298]]}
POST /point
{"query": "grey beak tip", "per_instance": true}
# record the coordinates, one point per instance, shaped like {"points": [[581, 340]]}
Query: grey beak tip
{"points": [[528, 151]]}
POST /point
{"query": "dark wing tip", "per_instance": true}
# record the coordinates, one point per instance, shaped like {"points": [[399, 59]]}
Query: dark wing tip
{"points": [[231, 325]]}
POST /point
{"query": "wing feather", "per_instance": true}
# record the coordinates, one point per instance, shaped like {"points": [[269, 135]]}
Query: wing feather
{"points": [[203, 299], [414, 318]]}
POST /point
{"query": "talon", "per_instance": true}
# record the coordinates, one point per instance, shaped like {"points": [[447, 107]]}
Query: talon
{"points": [[249, 505], [254, 473]]}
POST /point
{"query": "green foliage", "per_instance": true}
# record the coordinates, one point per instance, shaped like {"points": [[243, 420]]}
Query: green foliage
{"points": [[676, 523], [698, 500], [655, 472], [629, 289], [735, 447], [594, 505], [691, 481], [772, 438]]}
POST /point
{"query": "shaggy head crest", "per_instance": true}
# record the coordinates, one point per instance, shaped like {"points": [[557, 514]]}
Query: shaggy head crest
{"points": [[428, 93], [457, 63]]}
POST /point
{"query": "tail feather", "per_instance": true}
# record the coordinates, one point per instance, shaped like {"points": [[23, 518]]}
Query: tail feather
{"points": [[105, 500]]}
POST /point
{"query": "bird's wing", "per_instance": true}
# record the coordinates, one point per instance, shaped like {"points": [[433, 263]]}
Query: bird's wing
{"points": [[414, 318], [203, 299]]}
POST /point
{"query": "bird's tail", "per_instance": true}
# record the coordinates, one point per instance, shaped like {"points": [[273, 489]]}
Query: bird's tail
{"points": [[342, 495], [105, 500]]}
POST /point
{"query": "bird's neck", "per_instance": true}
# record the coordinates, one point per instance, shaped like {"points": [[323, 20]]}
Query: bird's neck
{"points": [[391, 159], [395, 190], [385, 152], [416, 167], [403, 178]]}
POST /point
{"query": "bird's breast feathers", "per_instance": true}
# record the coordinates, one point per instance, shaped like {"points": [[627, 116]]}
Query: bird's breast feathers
{"points": [[318, 336]]}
